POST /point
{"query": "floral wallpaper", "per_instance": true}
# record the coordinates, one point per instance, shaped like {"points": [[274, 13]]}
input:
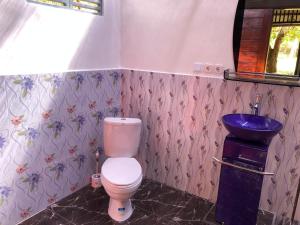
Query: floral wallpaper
{"points": [[182, 131], [50, 129]]}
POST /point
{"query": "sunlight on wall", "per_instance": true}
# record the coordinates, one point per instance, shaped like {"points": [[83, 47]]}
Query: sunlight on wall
{"points": [[42, 36], [41, 39]]}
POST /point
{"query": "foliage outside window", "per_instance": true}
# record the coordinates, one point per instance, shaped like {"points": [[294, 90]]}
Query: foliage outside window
{"points": [[90, 6], [283, 50], [283, 54]]}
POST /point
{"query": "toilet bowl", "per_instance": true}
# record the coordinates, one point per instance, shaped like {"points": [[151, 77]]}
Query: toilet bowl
{"points": [[121, 178]]}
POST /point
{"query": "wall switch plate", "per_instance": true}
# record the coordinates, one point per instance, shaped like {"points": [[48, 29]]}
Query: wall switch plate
{"points": [[199, 67]]}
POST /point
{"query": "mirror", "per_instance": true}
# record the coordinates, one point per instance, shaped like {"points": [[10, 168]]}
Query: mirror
{"points": [[267, 39]]}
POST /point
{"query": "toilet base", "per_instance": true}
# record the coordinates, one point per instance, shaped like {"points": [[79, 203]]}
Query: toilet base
{"points": [[120, 210]]}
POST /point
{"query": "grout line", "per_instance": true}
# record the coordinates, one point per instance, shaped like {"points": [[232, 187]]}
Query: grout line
{"points": [[213, 76], [41, 211], [49, 207], [206, 215], [216, 76], [60, 216], [53, 72]]}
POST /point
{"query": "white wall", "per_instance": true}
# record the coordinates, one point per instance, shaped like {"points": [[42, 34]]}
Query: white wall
{"points": [[170, 35], [162, 35], [36, 38]]}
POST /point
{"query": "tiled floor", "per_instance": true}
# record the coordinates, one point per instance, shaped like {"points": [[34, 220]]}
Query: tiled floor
{"points": [[154, 203]]}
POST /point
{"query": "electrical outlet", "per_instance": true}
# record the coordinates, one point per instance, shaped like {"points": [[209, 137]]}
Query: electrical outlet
{"points": [[219, 69], [208, 68]]}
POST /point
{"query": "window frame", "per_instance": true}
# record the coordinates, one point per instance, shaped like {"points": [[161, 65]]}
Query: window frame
{"points": [[69, 4]]}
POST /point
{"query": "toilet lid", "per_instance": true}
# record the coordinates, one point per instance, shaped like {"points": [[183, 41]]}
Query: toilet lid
{"points": [[121, 171]]}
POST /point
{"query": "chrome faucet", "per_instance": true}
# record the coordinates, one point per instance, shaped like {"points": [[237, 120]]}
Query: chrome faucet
{"points": [[256, 107]]}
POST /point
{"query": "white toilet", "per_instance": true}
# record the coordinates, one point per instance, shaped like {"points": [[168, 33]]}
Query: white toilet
{"points": [[121, 174]]}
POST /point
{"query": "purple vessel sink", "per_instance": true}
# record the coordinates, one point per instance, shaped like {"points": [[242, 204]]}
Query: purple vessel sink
{"points": [[252, 128]]}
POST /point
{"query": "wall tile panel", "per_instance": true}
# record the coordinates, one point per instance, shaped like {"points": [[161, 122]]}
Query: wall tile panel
{"points": [[50, 129], [183, 130]]}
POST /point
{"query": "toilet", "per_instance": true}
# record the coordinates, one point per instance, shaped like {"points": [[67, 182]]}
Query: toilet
{"points": [[121, 174]]}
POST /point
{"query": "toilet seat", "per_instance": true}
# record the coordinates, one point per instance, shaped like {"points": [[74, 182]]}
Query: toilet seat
{"points": [[121, 173]]}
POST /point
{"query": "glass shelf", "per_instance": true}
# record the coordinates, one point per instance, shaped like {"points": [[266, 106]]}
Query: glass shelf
{"points": [[264, 78]]}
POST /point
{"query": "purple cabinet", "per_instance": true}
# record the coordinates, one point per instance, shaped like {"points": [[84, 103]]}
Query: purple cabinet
{"points": [[243, 164]]}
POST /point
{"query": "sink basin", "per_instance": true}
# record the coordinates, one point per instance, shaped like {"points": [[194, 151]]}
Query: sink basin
{"points": [[252, 128]]}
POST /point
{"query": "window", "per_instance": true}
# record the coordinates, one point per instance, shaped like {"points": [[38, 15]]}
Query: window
{"points": [[283, 54], [90, 6]]}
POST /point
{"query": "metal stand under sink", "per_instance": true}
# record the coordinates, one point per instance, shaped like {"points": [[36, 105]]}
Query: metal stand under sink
{"points": [[242, 173]]}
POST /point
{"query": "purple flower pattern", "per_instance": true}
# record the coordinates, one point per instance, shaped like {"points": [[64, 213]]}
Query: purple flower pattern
{"points": [[115, 111], [2, 142], [4, 194], [100, 150], [57, 128], [56, 82], [58, 169], [80, 159], [99, 79], [98, 116], [26, 85], [30, 134], [79, 79], [79, 120], [33, 180], [115, 76]]}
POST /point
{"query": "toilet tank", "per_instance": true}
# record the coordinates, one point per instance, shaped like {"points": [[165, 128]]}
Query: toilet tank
{"points": [[121, 136]]}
